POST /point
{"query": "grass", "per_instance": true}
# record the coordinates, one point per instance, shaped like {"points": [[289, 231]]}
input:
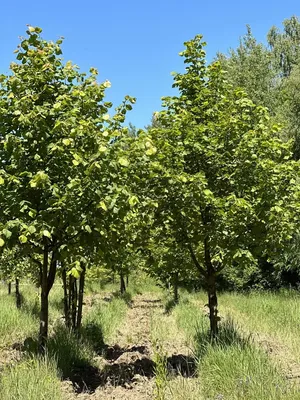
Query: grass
{"points": [[69, 352], [104, 318], [273, 315], [160, 373], [31, 379], [233, 367], [138, 284], [36, 378], [15, 325]]}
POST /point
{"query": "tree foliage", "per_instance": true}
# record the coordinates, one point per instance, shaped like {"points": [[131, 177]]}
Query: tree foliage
{"points": [[223, 173]]}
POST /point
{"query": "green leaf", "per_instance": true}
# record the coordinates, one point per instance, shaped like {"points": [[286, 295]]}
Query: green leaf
{"points": [[207, 192], [102, 205], [74, 272], [107, 84], [133, 200], [67, 142], [7, 233], [47, 234], [23, 239], [2, 243], [151, 151], [123, 161], [40, 180], [32, 213], [88, 228], [1, 180], [31, 229]]}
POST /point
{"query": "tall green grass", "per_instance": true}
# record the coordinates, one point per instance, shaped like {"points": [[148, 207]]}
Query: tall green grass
{"points": [[267, 310], [31, 379], [232, 367], [15, 324], [18, 324], [104, 318]]}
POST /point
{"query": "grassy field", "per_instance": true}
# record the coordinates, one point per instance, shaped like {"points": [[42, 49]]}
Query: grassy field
{"points": [[138, 346]]}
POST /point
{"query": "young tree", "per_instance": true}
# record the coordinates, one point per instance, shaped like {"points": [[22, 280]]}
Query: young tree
{"points": [[223, 180], [170, 263], [56, 156]]}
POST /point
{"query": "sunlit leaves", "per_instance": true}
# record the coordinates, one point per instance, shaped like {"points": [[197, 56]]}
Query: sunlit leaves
{"points": [[40, 180], [46, 233], [123, 161], [23, 239]]}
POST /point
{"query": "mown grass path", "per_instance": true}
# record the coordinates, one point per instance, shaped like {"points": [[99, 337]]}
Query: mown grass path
{"points": [[129, 366]]}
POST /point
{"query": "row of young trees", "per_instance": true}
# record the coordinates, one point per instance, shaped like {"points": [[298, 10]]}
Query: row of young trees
{"points": [[209, 187]]}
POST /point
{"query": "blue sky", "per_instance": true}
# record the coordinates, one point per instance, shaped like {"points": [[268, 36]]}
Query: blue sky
{"points": [[135, 44]]}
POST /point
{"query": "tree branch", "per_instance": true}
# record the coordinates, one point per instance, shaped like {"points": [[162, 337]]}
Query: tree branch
{"points": [[196, 262]]}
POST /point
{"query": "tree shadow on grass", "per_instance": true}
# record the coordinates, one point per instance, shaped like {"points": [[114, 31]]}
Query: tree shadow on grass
{"points": [[30, 307], [73, 356], [126, 297], [228, 336], [92, 334], [170, 305], [58, 304], [122, 366]]}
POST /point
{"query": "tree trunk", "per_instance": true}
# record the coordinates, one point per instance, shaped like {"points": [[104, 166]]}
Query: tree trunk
{"points": [[209, 274], [127, 280], [73, 301], [70, 295], [211, 292], [122, 284], [175, 289], [80, 299], [66, 300], [47, 280], [44, 314], [9, 287], [18, 295], [212, 304]]}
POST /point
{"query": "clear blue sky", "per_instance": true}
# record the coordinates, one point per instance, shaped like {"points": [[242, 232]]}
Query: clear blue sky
{"points": [[135, 44]]}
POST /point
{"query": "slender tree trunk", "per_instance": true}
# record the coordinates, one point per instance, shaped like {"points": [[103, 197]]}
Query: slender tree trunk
{"points": [[18, 295], [212, 304], [47, 280], [175, 289], [70, 294], [9, 287], [66, 299], [73, 301], [44, 314], [127, 280], [122, 284], [80, 299], [211, 292]]}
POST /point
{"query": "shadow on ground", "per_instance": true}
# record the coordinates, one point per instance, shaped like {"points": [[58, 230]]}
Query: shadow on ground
{"points": [[126, 366], [228, 336]]}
